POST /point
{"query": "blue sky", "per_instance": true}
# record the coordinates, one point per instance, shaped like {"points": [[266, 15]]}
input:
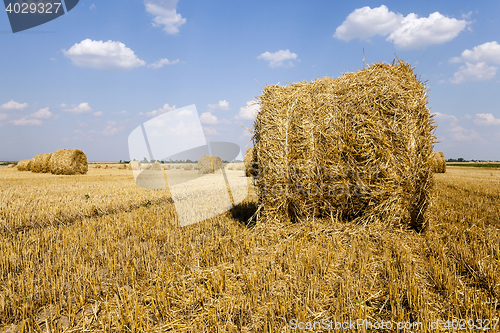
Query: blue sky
{"points": [[88, 78]]}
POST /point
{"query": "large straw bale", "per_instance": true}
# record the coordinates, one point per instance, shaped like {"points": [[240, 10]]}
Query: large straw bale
{"points": [[40, 163], [134, 165], [68, 162], [209, 164], [250, 163], [24, 165], [438, 162], [355, 148]]}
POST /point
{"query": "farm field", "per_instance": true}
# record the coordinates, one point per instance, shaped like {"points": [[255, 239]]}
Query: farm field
{"points": [[98, 253]]}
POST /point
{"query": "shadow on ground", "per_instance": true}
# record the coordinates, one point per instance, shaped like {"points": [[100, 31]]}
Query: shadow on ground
{"points": [[243, 212]]}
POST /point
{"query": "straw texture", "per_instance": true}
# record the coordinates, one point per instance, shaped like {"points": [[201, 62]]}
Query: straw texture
{"points": [[40, 163], [209, 164], [24, 165], [354, 148], [250, 164], [438, 162], [68, 162]]}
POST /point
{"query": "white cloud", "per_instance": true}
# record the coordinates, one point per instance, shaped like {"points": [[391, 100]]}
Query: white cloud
{"points": [[111, 128], [3, 116], [277, 59], [488, 52], [410, 32], [459, 133], [11, 105], [78, 109], [445, 117], [486, 119], [475, 72], [26, 121], [418, 32], [208, 118], [98, 113], [42, 114], [165, 14], [164, 109], [221, 105], [365, 22], [248, 111], [121, 112], [210, 131], [103, 55], [162, 62], [92, 6]]}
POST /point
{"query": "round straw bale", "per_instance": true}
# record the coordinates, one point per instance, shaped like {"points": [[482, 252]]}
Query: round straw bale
{"points": [[122, 166], [209, 164], [166, 166], [250, 163], [68, 162], [438, 162], [135, 165], [11, 166], [24, 165], [356, 148], [40, 163], [156, 166], [188, 167], [146, 166], [97, 166]]}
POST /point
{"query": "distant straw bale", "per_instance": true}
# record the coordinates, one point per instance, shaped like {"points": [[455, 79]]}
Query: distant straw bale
{"points": [[209, 164], [24, 165], [122, 166], [250, 163], [354, 148], [438, 162], [68, 162], [40, 163], [156, 166], [11, 166], [188, 167], [97, 166], [146, 166], [166, 166], [134, 165]]}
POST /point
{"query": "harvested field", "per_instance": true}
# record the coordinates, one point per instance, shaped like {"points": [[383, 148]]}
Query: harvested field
{"points": [[73, 272]]}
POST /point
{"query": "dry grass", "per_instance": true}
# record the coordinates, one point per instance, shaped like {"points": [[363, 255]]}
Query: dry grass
{"points": [[138, 271]]}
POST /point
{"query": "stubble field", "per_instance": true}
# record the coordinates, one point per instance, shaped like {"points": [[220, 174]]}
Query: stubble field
{"points": [[97, 253]]}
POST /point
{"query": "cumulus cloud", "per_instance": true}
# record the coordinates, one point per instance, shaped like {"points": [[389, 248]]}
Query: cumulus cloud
{"points": [[12, 105], [445, 117], [162, 62], [208, 118], [487, 52], [111, 128], [474, 72], [121, 112], [3, 116], [221, 105], [164, 109], [210, 131], [366, 22], [26, 121], [78, 109], [248, 111], [103, 55], [165, 14], [459, 133], [410, 32], [42, 114], [34, 118], [486, 119], [278, 59]]}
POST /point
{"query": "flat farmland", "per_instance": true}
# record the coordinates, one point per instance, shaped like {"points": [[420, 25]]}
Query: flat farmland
{"points": [[98, 253]]}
